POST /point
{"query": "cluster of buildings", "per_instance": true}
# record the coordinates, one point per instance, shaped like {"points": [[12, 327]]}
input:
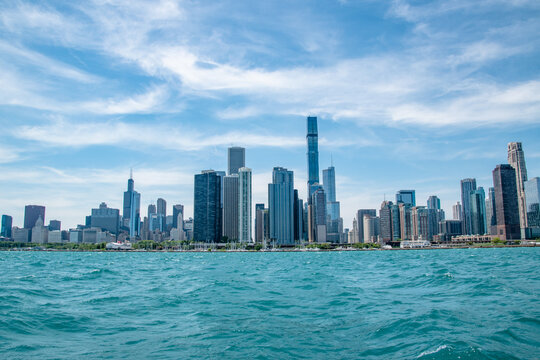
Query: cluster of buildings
{"points": [[223, 211]]}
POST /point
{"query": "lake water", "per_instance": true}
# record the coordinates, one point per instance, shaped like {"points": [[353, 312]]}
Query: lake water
{"points": [[427, 304]]}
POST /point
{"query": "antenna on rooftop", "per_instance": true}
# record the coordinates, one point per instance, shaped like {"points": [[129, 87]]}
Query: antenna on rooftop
{"points": [[131, 173]]}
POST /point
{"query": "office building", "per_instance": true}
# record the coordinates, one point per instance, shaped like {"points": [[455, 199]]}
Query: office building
{"points": [[105, 218], [161, 210], [516, 159], [318, 215], [420, 223], [207, 221], [360, 222], [152, 209], [478, 212], [312, 139], [259, 223], [467, 187], [298, 217], [371, 228], [31, 214], [281, 207], [506, 202], [178, 216], [491, 218], [231, 206], [385, 221], [434, 202], [55, 225], [405, 221], [532, 196], [40, 233], [132, 209], [449, 228], [244, 204], [406, 197], [7, 224], [457, 211], [236, 159], [21, 235]]}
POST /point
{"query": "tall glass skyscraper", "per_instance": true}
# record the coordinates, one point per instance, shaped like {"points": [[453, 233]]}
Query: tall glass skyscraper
{"points": [[506, 202], [31, 214], [244, 204], [7, 223], [478, 212], [532, 195], [406, 197], [132, 209], [281, 206], [312, 139], [178, 216], [329, 185], [230, 207], [236, 159], [467, 187], [516, 159], [491, 217], [207, 217]]}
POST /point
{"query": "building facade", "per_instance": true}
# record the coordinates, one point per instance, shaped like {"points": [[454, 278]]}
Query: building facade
{"points": [[281, 207], [506, 202], [467, 187], [312, 139], [236, 159], [207, 221], [31, 214], [516, 159], [231, 206], [244, 204]]}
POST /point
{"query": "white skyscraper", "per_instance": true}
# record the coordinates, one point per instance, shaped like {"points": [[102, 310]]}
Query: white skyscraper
{"points": [[516, 159], [244, 204]]}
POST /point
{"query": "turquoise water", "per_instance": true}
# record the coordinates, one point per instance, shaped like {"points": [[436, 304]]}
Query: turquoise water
{"points": [[438, 304]]}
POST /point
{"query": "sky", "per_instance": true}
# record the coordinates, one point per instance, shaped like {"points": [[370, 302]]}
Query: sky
{"points": [[409, 95]]}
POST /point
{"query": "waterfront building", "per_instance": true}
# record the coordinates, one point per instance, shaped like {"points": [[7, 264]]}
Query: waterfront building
{"points": [[406, 197], [21, 235], [178, 217], [231, 206], [360, 222], [405, 221], [259, 223], [132, 209], [298, 217], [162, 211], [7, 224], [312, 139], [516, 159], [449, 229], [467, 187], [491, 218], [318, 212], [532, 196], [207, 222], [244, 204], [457, 211], [385, 221], [40, 233], [420, 223], [371, 228], [353, 235], [236, 159], [105, 218], [281, 206], [506, 202], [31, 214], [54, 237], [478, 212]]}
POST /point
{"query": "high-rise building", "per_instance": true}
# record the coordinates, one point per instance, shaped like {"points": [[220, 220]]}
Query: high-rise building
{"points": [[405, 221], [7, 224], [491, 217], [532, 196], [40, 232], [457, 211], [420, 223], [516, 159], [318, 215], [449, 228], [151, 209], [162, 212], [281, 206], [244, 204], [312, 139], [478, 212], [207, 220], [55, 225], [132, 209], [435, 215], [31, 214], [231, 206], [371, 228], [467, 187], [105, 218], [360, 222], [298, 217], [259, 223], [334, 222], [178, 216], [506, 202], [353, 235], [406, 197], [236, 159], [433, 202], [385, 221]]}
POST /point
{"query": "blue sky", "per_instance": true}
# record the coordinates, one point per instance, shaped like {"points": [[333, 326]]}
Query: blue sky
{"points": [[409, 94]]}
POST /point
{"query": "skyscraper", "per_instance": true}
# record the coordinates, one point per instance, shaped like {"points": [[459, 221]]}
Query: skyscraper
{"points": [[406, 197], [132, 209], [385, 222], [55, 225], [7, 224], [532, 196], [434, 202], [516, 159], [312, 139], [318, 215], [244, 204], [207, 219], [162, 213], [360, 222], [478, 212], [334, 222], [467, 186], [298, 217], [420, 223], [405, 221], [230, 206], [457, 212], [178, 216], [105, 218], [259, 223], [31, 214], [491, 218], [151, 209], [281, 206], [236, 159], [506, 202]]}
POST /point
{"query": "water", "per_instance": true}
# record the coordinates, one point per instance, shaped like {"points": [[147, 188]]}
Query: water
{"points": [[438, 304]]}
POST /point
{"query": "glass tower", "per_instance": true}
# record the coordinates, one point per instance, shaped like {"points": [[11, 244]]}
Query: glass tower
{"points": [[244, 204], [281, 206], [312, 139], [467, 187], [236, 157], [207, 219]]}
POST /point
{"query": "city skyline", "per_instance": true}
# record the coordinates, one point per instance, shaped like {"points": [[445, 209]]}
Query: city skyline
{"points": [[405, 98]]}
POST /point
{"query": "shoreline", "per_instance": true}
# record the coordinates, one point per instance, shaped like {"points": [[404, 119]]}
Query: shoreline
{"points": [[268, 250]]}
